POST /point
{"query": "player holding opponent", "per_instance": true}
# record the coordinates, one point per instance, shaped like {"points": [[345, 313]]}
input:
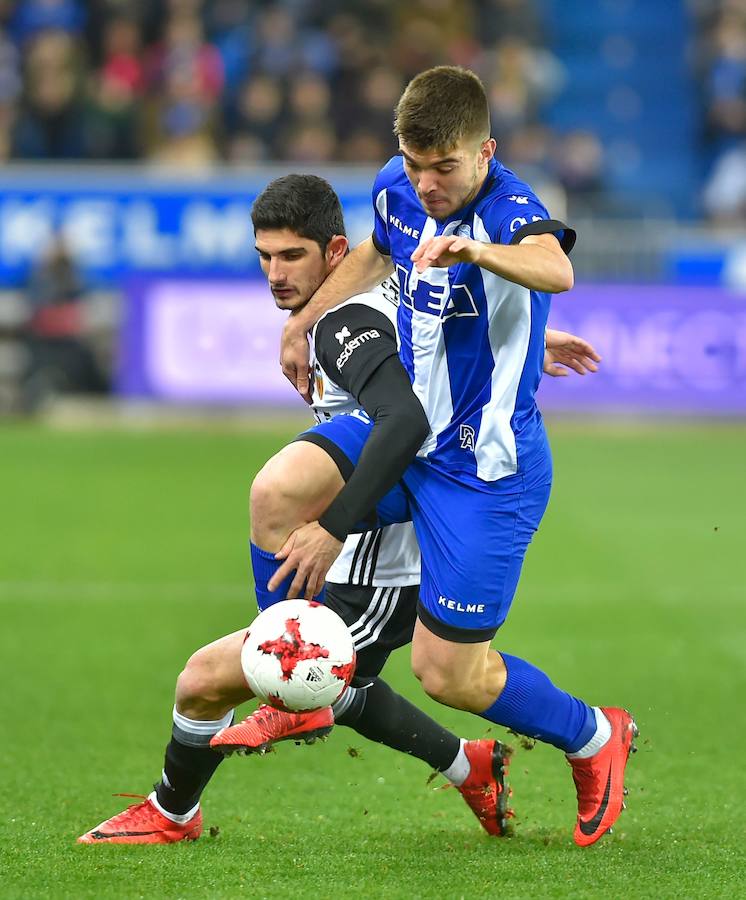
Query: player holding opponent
{"points": [[477, 257], [300, 238]]}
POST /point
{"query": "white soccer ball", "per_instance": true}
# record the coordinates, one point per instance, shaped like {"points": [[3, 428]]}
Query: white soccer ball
{"points": [[298, 655]]}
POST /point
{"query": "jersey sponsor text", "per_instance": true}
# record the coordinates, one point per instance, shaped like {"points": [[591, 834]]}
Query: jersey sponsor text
{"points": [[351, 346]]}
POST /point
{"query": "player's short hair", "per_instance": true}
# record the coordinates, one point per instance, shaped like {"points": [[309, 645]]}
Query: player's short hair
{"points": [[306, 204], [439, 107]]}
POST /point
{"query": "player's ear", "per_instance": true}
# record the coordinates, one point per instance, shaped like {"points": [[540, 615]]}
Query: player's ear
{"points": [[336, 250], [488, 149]]}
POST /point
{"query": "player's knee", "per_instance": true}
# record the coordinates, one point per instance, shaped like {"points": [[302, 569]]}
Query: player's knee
{"points": [[447, 688], [434, 682], [197, 688], [275, 505]]}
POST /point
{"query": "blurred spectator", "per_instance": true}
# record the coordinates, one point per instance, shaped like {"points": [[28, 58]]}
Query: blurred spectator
{"points": [[111, 127], [32, 17], [507, 18], [10, 75], [185, 56], [309, 98], [60, 357], [519, 79], [722, 60], [579, 162], [725, 189], [380, 91], [122, 66], [311, 143], [230, 26], [277, 49], [50, 119], [726, 83], [191, 82], [255, 119], [185, 77]]}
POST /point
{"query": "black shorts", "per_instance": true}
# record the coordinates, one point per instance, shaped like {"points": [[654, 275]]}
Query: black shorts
{"points": [[380, 620]]}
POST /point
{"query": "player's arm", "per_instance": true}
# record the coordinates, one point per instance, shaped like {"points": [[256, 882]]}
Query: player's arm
{"points": [[361, 270], [399, 428], [537, 262], [371, 371]]}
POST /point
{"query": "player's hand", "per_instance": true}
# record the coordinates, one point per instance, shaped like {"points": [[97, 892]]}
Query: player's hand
{"points": [[565, 349], [309, 551], [295, 357], [442, 252]]}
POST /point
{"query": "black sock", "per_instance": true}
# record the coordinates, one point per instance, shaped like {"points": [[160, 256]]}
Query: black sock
{"points": [[187, 771], [387, 718]]}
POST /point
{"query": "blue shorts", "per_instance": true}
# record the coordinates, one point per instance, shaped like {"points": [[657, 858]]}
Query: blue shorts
{"points": [[472, 539]]}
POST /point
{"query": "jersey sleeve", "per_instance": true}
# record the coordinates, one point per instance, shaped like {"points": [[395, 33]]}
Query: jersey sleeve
{"points": [[512, 217], [399, 428], [380, 215], [351, 343]]}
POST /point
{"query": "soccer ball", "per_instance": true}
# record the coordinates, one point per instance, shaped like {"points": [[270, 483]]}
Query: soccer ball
{"points": [[298, 655]]}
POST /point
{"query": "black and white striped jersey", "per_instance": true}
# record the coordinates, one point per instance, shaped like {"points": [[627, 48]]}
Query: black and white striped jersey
{"points": [[386, 557], [328, 399]]}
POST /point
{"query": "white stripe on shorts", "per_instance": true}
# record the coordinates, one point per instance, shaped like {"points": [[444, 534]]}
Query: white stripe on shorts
{"points": [[369, 626]]}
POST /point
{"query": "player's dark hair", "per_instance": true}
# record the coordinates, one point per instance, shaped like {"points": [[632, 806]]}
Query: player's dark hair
{"points": [[305, 204], [439, 107]]}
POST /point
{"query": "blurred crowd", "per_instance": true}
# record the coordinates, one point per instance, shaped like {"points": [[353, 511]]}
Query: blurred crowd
{"points": [[721, 60], [193, 82], [197, 81]]}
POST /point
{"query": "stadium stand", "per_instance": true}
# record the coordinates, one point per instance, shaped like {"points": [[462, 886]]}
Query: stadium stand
{"points": [[629, 117], [601, 97]]}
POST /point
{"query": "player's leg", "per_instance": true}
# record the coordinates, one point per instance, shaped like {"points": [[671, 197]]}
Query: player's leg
{"points": [[474, 677], [382, 620], [295, 487], [473, 547], [207, 690]]}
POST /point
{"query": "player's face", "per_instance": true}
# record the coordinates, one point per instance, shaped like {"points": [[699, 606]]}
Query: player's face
{"points": [[294, 266], [446, 181]]}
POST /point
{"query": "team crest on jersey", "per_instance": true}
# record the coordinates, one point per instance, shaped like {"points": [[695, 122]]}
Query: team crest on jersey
{"points": [[467, 436]]}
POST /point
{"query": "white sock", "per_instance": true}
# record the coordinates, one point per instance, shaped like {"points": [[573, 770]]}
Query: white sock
{"points": [[195, 732], [459, 769], [173, 817], [600, 737]]}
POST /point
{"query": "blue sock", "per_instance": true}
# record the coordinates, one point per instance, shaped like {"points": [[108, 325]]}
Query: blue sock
{"points": [[530, 704], [265, 565]]}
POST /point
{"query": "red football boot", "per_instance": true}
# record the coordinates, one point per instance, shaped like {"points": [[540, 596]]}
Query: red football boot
{"points": [[485, 789], [142, 823], [599, 779], [267, 725]]}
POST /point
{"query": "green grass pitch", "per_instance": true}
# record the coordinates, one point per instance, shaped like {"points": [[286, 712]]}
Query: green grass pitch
{"points": [[123, 552]]}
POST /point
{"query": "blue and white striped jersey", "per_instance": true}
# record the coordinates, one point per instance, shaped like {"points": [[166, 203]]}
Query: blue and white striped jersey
{"points": [[472, 342]]}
